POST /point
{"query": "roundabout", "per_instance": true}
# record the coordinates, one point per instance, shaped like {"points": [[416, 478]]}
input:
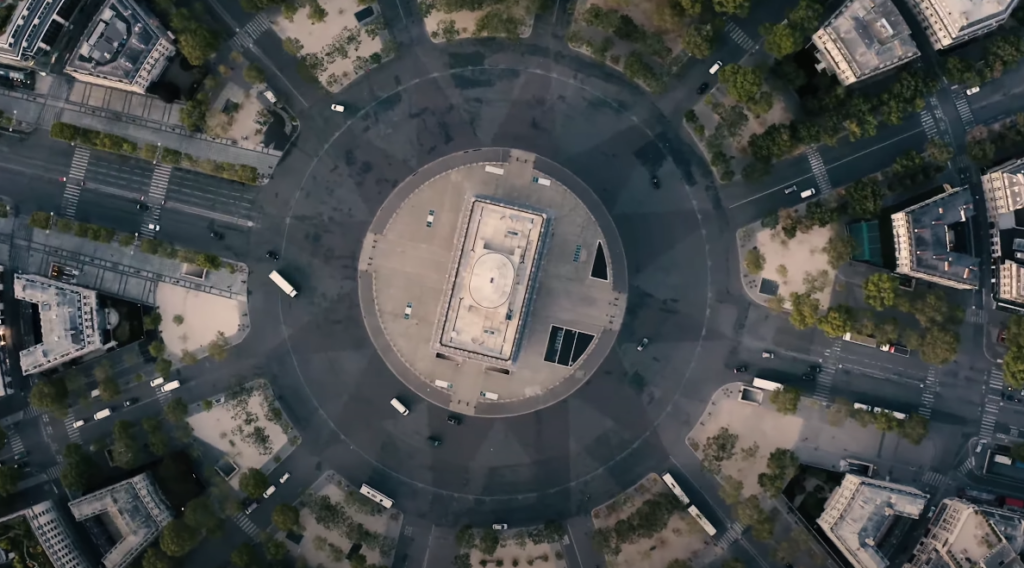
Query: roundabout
{"points": [[616, 414]]}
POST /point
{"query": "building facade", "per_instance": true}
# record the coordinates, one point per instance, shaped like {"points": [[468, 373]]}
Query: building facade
{"points": [[932, 240], [32, 29], [949, 22], [52, 529], [1003, 187], [862, 39], [964, 534]]}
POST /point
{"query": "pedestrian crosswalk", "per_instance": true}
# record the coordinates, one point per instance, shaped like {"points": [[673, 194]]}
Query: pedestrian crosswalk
{"points": [[247, 35], [974, 315], [730, 536], [967, 465], [155, 199], [820, 173], [740, 37], [929, 125], [931, 386], [53, 472], [935, 478], [14, 443], [75, 180], [988, 416], [964, 109], [823, 384], [73, 434], [247, 526]]}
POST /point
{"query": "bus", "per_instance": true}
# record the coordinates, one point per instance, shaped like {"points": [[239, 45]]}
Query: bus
{"points": [[667, 478], [283, 284], [702, 520], [767, 385], [376, 496], [1005, 460]]}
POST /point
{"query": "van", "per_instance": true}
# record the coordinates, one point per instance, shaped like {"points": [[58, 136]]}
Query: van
{"points": [[79, 423], [444, 385], [806, 194], [399, 406], [269, 491], [101, 414], [95, 393], [170, 386], [489, 395], [714, 68], [156, 382]]}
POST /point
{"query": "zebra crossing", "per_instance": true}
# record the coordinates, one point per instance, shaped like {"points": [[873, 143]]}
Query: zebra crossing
{"points": [[967, 465], [935, 478], [53, 472], [928, 122], [992, 404], [75, 179], [974, 315], [14, 443], [820, 173], [931, 386], [247, 526], [731, 535], [964, 109], [823, 384], [740, 37], [247, 35], [73, 434], [157, 193]]}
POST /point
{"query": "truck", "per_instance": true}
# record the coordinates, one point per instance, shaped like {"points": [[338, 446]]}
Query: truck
{"points": [[283, 284], [807, 193], [1005, 460], [170, 386], [860, 339], [897, 349]]}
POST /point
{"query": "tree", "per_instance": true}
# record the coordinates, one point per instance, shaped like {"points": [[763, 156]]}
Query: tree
{"points": [[864, 198], [783, 464], [292, 45], [698, 40], [193, 114], [462, 561], [837, 321], [178, 319], [315, 12], [786, 400], [51, 395], [938, 151], [163, 367], [286, 518], [155, 558], [1013, 361], [465, 538], [840, 249], [201, 515], [738, 7], [9, 477], [152, 320], [218, 348], [155, 432], [720, 447], [806, 16], [780, 40], [754, 261], [208, 261], [961, 72], [914, 429], [981, 152], [275, 549], [126, 450], [194, 40], [742, 83], [245, 556], [253, 482], [731, 490], [489, 541], [880, 290], [178, 538], [80, 470], [775, 142], [761, 522], [803, 310], [207, 405], [157, 349], [176, 411], [940, 346]]}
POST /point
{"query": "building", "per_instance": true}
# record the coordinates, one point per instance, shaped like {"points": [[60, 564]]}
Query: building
{"points": [[862, 514], [70, 320], [932, 240], [964, 534], [1004, 202], [30, 29], [53, 531], [864, 38], [125, 47], [132, 512], [949, 22]]}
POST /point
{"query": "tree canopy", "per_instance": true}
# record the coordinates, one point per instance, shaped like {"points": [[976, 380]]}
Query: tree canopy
{"points": [[914, 429], [804, 310], [155, 558], [51, 395], [864, 198], [286, 518], [782, 465], [1013, 362], [178, 538], [786, 399], [176, 411], [245, 556], [79, 471], [126, 450], [837, 321], [201, 515], [253, 482], [880, 290], [9, 477], [698, 40]]}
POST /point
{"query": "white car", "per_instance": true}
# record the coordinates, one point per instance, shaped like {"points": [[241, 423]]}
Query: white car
{"points": [[79, 423], [714, 68], [156, 382], [973, 90], [270, 491], [338, 108], [284, 477], [499, 526], [153, 227]]}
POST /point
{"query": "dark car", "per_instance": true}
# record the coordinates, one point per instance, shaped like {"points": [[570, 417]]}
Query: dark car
{"points": [[142, 207], [454, 420], [273, 255], [703, 88], [655, 183], [740, 369], [807, 377], [217, 235], [814, 369], [131, 401], [434, 441]]}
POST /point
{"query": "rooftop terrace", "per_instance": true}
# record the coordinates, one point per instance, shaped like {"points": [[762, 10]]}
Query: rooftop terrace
{"points": [[863, 38]]}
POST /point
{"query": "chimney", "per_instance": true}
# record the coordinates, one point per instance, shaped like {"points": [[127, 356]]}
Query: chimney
{"points": [[947, 266]]}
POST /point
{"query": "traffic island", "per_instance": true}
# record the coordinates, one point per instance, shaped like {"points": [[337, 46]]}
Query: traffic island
{"points": [[338, 521], [511, 19], [674, 534]]}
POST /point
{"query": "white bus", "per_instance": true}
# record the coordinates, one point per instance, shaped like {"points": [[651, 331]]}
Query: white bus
{"points": [[702, 520], [1003, 459], [376, 496], [667, 478], [863, 407], [283, 284], [767, 385]]}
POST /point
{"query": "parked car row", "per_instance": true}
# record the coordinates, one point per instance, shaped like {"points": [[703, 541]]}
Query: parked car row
{"points": [[251, 504], [158, 383], [452, 419]]}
